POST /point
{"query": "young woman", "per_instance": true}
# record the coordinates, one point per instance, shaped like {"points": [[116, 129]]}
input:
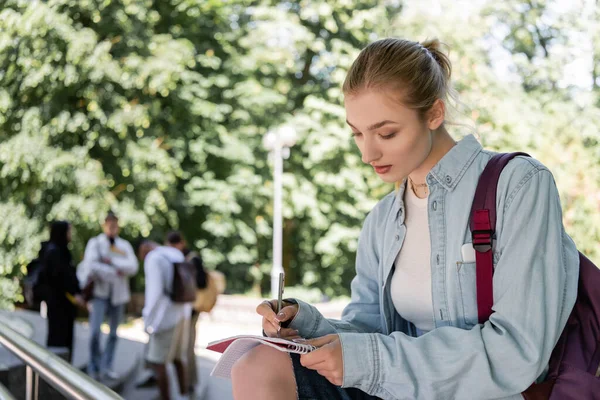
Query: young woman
{"points": [[63, 287], [411, 329]]}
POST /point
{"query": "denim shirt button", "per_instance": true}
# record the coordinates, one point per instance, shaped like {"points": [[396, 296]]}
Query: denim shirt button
{"points": [[448, 179], [434, 205], [397, 237]]}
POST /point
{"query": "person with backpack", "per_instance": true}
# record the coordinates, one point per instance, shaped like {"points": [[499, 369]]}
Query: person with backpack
{"points": [[59, 283], [166, 318], [418, 324], [109, 261]]}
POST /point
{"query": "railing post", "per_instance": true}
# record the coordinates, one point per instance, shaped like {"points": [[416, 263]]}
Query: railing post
{"points": [[36, 385], [28, 383], [32, 383]]}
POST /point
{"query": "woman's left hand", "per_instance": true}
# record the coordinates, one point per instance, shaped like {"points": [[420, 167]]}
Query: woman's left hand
{"points": [[327, 360]]}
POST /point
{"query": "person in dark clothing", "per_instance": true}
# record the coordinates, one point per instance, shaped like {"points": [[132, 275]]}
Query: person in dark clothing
{"points": [[201, 278], [63, 292]]}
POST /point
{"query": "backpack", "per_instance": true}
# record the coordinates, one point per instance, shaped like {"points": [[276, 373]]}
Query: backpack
{"points": [[184, 282], [32, 283], [35, 285], [574, 366]]}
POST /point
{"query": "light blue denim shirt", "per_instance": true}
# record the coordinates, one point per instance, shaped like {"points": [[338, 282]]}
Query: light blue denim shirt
{"points": [[535, 286]]}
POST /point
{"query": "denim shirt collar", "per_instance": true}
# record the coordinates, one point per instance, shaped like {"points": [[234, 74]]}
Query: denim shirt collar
{"points": [[451, 168], [448, 171]]}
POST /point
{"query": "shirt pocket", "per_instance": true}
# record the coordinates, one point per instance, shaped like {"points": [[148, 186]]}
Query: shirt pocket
{"points": [[467, 287]]}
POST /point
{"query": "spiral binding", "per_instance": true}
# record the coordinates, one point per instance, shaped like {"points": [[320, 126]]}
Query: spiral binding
{"points": [[301, 348]]}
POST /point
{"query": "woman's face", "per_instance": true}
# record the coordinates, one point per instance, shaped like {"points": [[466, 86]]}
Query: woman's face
{"points": [[390, 136]]}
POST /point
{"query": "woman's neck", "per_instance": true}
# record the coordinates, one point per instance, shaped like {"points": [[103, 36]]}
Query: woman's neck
{"points": [[442, 143]]}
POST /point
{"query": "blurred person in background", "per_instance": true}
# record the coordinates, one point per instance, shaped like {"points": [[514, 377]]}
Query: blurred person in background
{"points": [[165, 320], [201, 281], [108, 263], [146, 377], [62, 292]]}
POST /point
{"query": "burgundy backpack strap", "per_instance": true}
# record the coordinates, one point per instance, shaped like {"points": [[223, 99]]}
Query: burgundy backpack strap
{"points": [[483, 227]]}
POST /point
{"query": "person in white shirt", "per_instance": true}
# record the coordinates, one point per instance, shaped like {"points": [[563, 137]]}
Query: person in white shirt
{"points": [[165, 321], [109, 261]]}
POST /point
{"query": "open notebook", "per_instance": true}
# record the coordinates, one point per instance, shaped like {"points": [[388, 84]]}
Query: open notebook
{"points": [[236, 346]]}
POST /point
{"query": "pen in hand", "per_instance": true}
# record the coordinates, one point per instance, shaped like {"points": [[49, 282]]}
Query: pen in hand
{"points": [[280, 299]]}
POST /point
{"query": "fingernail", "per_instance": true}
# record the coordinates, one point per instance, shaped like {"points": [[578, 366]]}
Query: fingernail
{"points": [[281, 315], [299, 340]]}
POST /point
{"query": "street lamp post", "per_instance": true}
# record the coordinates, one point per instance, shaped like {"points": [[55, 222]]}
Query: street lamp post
{"points": [[278, 142]]}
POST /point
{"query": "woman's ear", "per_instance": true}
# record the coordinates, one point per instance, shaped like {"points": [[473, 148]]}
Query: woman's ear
{"points": [[436, 115]]}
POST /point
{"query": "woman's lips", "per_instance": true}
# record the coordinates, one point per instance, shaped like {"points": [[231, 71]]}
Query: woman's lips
{"points": [[382, 169]]}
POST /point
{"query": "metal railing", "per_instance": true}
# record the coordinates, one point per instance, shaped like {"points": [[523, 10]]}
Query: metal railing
{"points": [[59, 374]]}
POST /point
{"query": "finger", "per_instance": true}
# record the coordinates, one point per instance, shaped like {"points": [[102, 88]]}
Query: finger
{"points": [[310, 360], [319, 366], [272, 324], [322, 341], [269, 326], [293, 337], [270, 332], [327, 373], [267, 312], [286, 313], [288, 333], [265, 308], [335, 380]]}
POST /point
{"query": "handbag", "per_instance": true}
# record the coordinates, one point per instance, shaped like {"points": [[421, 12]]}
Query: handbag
{"points": [[87, 292], [206, 298]]}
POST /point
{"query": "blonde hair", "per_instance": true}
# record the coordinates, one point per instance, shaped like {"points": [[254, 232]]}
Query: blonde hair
{"points": [[420, 72]]}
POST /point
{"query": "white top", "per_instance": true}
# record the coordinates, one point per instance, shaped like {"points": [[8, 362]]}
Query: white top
{"points": [[108, 283], [411, 282], [160, 313]]}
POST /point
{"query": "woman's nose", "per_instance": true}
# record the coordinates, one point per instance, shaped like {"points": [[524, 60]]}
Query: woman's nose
{"points": [[370, 152]]}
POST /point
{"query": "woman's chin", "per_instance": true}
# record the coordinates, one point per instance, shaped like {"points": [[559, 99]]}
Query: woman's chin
{"points": [[388, 178]]}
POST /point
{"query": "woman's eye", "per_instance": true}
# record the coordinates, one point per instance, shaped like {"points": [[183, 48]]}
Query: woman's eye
{"points": [[356, 134], [391, 135]]}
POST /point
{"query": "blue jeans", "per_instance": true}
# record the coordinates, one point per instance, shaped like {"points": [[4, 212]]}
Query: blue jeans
{"points": [[102, 361]]}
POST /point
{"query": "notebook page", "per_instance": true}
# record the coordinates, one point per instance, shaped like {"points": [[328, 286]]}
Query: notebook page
{"points": [[235, 350], [242, 345]]}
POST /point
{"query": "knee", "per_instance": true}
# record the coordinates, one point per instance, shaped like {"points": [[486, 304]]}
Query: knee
{"points": [[262, 365]]}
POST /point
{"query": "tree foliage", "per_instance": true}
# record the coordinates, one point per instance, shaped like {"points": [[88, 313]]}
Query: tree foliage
{"points": [[157, 109]]}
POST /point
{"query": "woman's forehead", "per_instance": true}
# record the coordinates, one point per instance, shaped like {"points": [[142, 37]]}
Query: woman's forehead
{"points": [[366, 109]]}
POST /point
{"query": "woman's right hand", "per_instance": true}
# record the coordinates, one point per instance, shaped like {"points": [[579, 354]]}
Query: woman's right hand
{"points": [[271, 322]]}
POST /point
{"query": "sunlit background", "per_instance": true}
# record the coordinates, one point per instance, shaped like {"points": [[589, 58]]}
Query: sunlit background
{"points": [[158, 109], [165, 112]]}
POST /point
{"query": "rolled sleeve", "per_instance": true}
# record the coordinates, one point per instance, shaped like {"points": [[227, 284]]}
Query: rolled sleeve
{"points": [[361, 361]]}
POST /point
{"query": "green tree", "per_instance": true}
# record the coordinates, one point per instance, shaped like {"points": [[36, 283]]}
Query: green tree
{"points": [[157, 109]]}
